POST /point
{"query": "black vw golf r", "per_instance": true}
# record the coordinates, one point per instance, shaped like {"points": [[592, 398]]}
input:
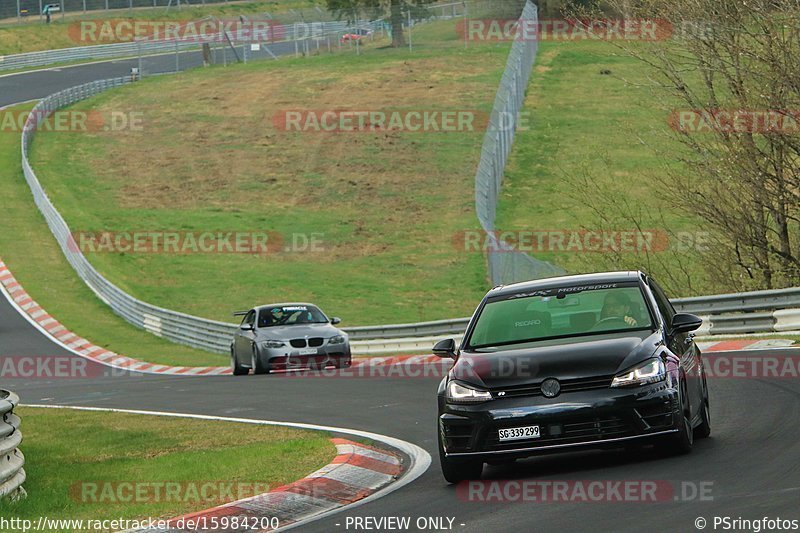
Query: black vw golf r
{"points": [[558, 364]]}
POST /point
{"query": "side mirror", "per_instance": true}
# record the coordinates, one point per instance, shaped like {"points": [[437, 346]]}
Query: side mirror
{"points": [[247, 327], [445, 348], [335, 320], [685, 322]]}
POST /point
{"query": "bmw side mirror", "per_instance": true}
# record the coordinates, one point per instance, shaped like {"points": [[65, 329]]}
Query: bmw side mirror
{"points": [[246, 327], [445, 349], [685, 322], [335, 320]]}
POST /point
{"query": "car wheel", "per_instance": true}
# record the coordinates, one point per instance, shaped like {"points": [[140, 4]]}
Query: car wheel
{"points": [[682, 442], [238, 370], [457, 470], [704, 429], [256, 365], [342, 363]]}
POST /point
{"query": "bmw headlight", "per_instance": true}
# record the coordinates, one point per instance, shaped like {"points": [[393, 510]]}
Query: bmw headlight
{"points": [[338, 339], [273, 344], [651, 371], [458, 393]]}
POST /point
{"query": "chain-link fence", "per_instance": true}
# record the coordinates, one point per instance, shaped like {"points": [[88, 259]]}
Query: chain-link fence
{"points": [[504, 265], [507, 265]]}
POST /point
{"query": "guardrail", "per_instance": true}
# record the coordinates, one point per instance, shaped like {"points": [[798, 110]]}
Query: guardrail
{"points": [[297, 32], [215, 336], [12, 473]]}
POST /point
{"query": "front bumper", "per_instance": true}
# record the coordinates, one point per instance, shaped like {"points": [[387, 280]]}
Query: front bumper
{"points": [[589, 419], [288, 358]]}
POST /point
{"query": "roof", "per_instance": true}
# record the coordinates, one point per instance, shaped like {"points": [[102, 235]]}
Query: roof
{"points": [[567, 281], [285, 304]]}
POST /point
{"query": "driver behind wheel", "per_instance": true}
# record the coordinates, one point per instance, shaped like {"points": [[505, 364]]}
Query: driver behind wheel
{"points": [[617, 305]]}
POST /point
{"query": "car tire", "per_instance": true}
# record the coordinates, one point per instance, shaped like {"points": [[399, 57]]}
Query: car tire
{"points": [[238, 370], [256, 365], [704, 429], [457, 470], [682, 442], [342, 363]]}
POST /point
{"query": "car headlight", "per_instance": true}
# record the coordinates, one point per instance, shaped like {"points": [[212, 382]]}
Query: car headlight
{"points": [[458, 393], [273, 344], [651, 371], [338, 339]]}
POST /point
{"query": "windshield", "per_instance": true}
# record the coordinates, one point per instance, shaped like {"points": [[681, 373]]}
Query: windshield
{"points": [[562, 312], [289, 315]]}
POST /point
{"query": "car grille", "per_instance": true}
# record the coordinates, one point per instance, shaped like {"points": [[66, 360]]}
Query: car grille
{"points": [[313, 342], [577, 430], [567, 385]]}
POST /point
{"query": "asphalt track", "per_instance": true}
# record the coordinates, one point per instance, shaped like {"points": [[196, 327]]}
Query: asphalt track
{"points": [[751, 461]]}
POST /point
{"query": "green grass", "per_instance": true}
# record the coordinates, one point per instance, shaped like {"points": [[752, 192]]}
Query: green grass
{"points": [[34, 35], [386, 205], [606, 135], [31, 253], [69, 453]]}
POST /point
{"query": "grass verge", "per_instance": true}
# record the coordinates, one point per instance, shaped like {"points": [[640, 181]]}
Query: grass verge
{"points": [[385, 205], [600, 128], [34, 36], [31, 253], [77, 461]]}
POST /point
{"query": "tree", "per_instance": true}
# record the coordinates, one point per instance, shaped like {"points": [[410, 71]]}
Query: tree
{"points": [[733, 68], [397, 11]]}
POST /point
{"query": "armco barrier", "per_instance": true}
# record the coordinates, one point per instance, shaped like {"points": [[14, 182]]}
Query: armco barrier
{"points": [[289, 33], [215, 336], [12, 473]]}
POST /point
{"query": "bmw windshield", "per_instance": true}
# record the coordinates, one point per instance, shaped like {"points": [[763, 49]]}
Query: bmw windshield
{"points": [[560, 313], [289, 315]]}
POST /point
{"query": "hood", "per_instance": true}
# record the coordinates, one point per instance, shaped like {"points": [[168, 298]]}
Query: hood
{"points": [[298, 331], [589, 357]]}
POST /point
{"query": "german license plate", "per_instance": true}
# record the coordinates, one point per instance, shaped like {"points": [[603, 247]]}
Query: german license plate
{"points": [[527, 432], [308, 351]]}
